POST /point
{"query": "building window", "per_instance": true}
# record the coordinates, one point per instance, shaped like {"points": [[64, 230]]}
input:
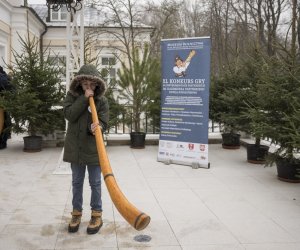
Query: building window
{"points": [[60, 62], [2, 55], [109, 69], [59, 15]]}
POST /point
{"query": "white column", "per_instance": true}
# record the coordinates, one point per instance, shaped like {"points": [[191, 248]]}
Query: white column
{"points": [[74, 60], [75, 44]]}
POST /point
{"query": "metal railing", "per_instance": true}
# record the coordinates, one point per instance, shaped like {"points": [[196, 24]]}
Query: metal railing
{"points": [[149, 125], [124, 125]]}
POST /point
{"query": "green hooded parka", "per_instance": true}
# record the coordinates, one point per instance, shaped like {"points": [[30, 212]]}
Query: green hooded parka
{"points": [[80, 143]]}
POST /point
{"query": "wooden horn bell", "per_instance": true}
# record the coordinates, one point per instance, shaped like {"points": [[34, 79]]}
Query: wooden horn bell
{"points": [[131, 214]]}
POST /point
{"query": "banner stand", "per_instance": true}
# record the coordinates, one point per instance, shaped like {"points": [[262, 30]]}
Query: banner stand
{"points": [[196, 165], [166, 161], [185, 102]]}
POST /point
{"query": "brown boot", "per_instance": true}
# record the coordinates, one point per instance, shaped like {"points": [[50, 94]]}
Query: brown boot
{"points": [[95, 222], [75, 221]]}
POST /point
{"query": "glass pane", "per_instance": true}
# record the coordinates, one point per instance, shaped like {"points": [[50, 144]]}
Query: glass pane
{"points": [[112, 61], [63, 8], [54, 15], [105, 61], [104, 73], [63, 16], [63, 13], [112, 73]]}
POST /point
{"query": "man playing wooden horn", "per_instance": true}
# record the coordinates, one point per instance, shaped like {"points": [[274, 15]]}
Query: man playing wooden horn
{"points": [[80, 145]]}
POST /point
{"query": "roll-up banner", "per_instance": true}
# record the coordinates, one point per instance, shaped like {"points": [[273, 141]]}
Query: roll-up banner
{"points": [[185, 101]]}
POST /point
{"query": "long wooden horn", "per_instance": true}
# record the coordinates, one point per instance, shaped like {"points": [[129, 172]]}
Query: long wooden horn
{"points": [[131, 214]]}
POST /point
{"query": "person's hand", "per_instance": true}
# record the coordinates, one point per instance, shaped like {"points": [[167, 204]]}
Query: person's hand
{"points": [[192, 53], [94, 127], [88, 93]]}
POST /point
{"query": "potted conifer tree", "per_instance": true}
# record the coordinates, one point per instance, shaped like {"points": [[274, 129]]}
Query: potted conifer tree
{"points": [[256, 152], [252, 113], [234, 103], [226, 106], [281, 94], [37, 92], [137, 80]]}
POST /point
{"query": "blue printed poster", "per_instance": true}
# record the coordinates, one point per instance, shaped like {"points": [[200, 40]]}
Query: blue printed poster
{"points": [[185, 101]]}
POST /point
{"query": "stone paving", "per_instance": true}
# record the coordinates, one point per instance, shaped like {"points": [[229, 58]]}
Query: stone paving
{"points": [[231, 206]]}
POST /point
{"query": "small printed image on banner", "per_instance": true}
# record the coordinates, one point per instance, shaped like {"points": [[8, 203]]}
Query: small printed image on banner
{"points": [[185, 100]]}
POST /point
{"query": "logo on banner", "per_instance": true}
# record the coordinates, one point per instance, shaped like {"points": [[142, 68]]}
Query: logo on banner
{"points": [[191, 146], [202, 147], [181, 65]]}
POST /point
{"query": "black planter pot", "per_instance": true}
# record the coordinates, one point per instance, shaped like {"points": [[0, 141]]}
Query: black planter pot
{"points": [[137, 139], [257, 154], [288, 171], [231, 140], [32, 143]]}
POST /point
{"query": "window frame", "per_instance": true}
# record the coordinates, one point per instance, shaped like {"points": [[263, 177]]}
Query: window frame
{"points": [[110, 67], [59, 13]]}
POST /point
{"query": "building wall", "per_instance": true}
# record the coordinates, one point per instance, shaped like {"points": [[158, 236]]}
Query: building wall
{"points": [[5, 32], [15, 21], [16, 2]]}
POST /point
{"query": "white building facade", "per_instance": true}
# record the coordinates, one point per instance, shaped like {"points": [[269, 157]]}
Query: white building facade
{"points": [[50, 28], [16, 20]]}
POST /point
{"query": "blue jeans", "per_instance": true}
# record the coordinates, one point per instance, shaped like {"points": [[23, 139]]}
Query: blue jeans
{"points": [[78, 174]]}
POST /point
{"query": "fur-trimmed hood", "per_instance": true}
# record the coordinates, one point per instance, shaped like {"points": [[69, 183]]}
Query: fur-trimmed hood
{"points": [[87, 72]]}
